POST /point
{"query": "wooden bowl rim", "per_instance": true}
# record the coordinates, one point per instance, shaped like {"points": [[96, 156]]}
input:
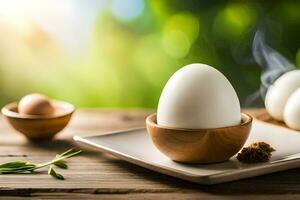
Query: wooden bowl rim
{"points": [[69, 109], [246, 120]]}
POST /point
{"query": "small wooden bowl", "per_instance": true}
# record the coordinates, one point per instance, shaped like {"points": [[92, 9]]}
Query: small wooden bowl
{"points": [[199, 145], [39, 127]]}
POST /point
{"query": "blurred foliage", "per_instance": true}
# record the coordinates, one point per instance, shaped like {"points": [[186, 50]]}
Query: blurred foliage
{"points": [[130, 58]]}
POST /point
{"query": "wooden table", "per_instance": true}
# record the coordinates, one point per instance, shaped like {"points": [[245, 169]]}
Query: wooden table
{"points": [[96, 175]]}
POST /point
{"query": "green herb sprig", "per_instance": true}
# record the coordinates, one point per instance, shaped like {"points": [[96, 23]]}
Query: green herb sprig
{"points": [[21, 166]]}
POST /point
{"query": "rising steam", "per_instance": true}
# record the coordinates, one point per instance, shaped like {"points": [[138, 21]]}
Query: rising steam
{"points": [[273, 64]]}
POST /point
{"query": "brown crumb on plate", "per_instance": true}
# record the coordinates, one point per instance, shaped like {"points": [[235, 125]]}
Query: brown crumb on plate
{"points": [[255, 153]]}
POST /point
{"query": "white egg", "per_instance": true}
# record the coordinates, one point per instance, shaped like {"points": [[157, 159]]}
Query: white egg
{"points": [[292, 111], [278, 93], [198, 96]]}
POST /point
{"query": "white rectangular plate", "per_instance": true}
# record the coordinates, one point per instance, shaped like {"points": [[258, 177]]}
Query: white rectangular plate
{"points": [[135, 146]]}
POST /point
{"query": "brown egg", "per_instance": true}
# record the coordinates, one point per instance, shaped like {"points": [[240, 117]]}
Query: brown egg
{"points": [[35, 104]]}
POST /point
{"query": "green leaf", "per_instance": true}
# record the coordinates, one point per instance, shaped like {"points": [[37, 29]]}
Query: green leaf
{"points": [[16, 167], [14, 164], [55, 174], [61, 164], [18, 170]]}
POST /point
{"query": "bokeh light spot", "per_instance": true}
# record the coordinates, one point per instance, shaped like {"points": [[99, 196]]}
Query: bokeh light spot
{"points": [[176, 43], [161, 9], [128, 9], [234, 20], [184, 22]]}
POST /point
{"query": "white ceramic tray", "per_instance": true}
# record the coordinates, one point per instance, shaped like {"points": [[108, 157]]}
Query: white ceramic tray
{"points": [[135, 146]]}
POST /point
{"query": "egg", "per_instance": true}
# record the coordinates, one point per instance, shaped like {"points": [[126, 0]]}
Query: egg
{"points": [[291, 113], [35, 104], [198, 96], [278, 93]]}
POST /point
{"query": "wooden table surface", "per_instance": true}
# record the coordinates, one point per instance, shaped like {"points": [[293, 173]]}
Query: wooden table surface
{"points": [[96, 175]]}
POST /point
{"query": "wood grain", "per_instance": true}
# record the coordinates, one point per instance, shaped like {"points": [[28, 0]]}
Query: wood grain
{"points": [[96, 175]]}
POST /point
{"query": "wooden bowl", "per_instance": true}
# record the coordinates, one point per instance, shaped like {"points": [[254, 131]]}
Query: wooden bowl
{"points": [[39, 127], [199, 145]]}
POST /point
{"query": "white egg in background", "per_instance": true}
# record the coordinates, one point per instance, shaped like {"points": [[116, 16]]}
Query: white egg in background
{"points": [[278, 93], [198, 96], [291, 113]]}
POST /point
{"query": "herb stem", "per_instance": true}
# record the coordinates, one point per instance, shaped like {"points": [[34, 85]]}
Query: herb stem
{"points": [[21, 166], [59, 158]]}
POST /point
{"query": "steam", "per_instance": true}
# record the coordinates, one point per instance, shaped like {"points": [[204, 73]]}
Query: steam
{"points": [[273, 64]]}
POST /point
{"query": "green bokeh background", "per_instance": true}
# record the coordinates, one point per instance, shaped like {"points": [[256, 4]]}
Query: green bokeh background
{"points": [[129, 61]]}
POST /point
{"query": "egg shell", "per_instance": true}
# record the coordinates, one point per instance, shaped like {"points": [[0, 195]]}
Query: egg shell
{"points": [[35, 104], [292, 111], [278, 93], [198, 96]]}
